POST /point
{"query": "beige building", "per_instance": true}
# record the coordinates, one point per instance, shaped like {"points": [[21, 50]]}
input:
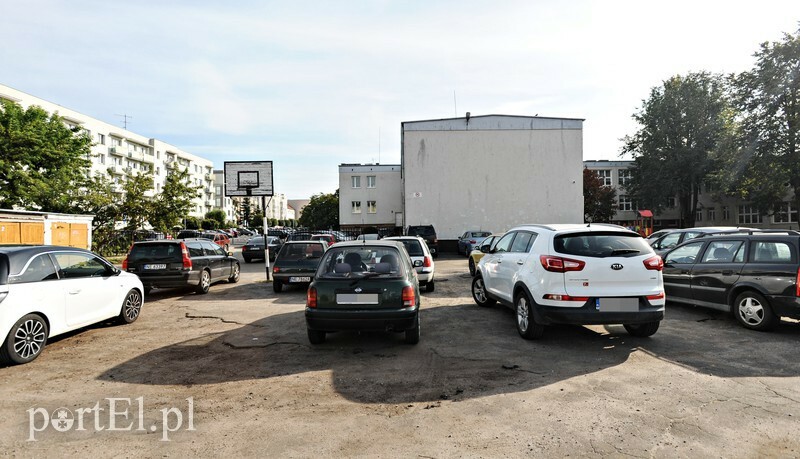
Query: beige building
{"points": [[370, 195], [118, 153], [712, 209]]}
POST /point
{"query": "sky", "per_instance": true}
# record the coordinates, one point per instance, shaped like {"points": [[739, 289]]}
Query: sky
{"points": [[310, 85]]}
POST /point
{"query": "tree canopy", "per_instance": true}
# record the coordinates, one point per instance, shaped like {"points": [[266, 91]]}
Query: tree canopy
{"points": [[598, 200], [322, 212], [175, 201]]}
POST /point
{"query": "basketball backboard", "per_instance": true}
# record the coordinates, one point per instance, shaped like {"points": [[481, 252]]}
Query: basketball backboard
{"points": [[248, 178]]}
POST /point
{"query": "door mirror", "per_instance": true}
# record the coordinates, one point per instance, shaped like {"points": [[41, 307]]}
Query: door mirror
{"points": [[485, 248], [230, 254], [417, 263]]}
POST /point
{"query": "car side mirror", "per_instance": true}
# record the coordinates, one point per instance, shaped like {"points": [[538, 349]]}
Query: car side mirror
{"points": [[417, 263], [230, 253], [484, 248]]}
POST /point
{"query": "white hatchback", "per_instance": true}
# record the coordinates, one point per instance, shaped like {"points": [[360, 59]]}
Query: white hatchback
{"points": [[573, 274], [47, 290], [421, 258]]}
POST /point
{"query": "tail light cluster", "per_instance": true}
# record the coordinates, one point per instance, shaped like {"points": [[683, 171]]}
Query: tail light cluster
{"points": [[654, 263], [409, 298], [275, 269], [797, 284], [427, 263], [561, 265], [187, 262], [311, 297], [658, 296], [125, 261], [558, 297]]}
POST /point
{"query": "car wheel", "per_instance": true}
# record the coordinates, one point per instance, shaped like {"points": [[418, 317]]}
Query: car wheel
{"points": [[236, 273], [205, 282], [412, 334], [642, 330], [430, 286], [277, 285], [471, 267], [753, 311], [316, 336], [26, 340], [526, 323], [247, 260], [131, 307], [479, 292]]}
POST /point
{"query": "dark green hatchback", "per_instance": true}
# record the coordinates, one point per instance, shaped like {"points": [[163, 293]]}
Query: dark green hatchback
{"points": [[364, 285]]}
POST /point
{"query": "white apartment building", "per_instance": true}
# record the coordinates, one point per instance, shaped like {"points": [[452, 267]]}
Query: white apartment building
{"points": [[222, 202], [712, 208], [370, 195], [118, 153]]}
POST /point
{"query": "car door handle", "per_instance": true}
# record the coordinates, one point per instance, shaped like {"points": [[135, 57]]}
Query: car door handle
{"points": [[520, 262], [727, 273], [74, 292]]}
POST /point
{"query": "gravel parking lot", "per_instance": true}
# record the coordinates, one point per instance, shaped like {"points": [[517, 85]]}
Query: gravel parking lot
{"points": [[237, 361]]}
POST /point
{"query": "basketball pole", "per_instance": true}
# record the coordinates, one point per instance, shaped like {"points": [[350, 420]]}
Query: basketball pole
{"points": [[266, 228]]}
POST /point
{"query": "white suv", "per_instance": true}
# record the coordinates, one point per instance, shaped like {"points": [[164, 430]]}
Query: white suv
{"points": [[573, 274], [421, 258]]}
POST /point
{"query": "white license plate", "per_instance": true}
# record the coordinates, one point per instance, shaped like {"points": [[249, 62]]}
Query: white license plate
{"points": [[161, 266], [299, 279], [357, 298], [617, 304]]}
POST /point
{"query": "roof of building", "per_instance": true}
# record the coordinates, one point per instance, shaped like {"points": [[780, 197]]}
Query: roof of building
{"points": [[493, 122]]}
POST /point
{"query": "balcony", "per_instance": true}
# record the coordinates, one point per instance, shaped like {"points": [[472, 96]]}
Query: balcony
{"points": [[115, 170], [115, 151], [210, 177]]}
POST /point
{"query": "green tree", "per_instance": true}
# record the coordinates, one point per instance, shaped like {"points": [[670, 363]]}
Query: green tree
{"points": [[245, 211], [682, 125], [136, 207], [192, 223], [97, 197], [256, 219], [175, 201], [765, 165], [322, 212], [42, 161], [218, 216], [598, 200]]}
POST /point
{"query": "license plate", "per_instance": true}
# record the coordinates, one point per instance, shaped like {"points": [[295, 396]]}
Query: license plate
{"points": [[300, 279], [161, 266], [357, 298], [617, 304]]}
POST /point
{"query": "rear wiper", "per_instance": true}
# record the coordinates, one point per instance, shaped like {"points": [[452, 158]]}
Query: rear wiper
{"points": [[623, 251]]}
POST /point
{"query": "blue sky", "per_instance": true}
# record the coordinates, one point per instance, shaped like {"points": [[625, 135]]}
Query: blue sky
{"points": [[310, 85]]}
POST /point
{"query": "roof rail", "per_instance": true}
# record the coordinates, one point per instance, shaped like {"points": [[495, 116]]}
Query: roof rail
{"points": [[549, 228], [753, 231]]}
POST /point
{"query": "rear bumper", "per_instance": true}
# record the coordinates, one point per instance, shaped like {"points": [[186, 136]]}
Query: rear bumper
{"points": [[182, 279], [589, 315], [785, 306], [367, 320]]}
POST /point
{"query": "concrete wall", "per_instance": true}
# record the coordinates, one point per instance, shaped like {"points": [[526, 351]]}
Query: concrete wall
{"points": [[386, 193], [492, 173]]}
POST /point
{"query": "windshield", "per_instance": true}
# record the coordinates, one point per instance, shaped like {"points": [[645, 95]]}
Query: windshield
{"points": [[413, 247], [421, 231], [154, 252], [361, 262], [301, 251], [602, 245], [257, 240]]}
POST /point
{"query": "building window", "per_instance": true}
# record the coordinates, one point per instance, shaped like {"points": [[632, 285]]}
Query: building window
{"points": [[748, 214], [698, 216], [371, 207], [726, 213], [624, 177], [671, 203], [605, 176], [711, 213], [102, 159], [785, 214], [356, 181], [625, 203], [115, 142], [101, 139], [356, 207], [370, 181]]}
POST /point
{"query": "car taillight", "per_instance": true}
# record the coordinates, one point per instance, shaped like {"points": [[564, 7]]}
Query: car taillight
{"points": [[797, 284], [654, 263], [125, 264], [311, 298], [187, 262], [560, 265], [427, 263], [473, 241], [659, 296], [409, 299], [557, 297], [275, 269]]}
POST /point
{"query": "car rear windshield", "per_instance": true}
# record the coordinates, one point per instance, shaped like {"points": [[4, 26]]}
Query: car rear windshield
{"points": [[257, 240], [421, 231], [481, 234], [155, 251], [414, 248], [602, 245], [301, 251], [361, 262]]}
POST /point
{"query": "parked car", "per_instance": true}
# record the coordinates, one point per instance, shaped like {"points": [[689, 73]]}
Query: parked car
{"points": [[364, 285], [245, 232], [675, 237], [299, 236], [187, 233], [368, 237], [428, 233], [219, 238], [753, 275], [254, 248], [421, 259], [329, 238], [175, 263], [296, 263], [46, 291], [485, 247], [147, 235], [470, 240], [277, 233], [656, 235], [573, 274]]}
